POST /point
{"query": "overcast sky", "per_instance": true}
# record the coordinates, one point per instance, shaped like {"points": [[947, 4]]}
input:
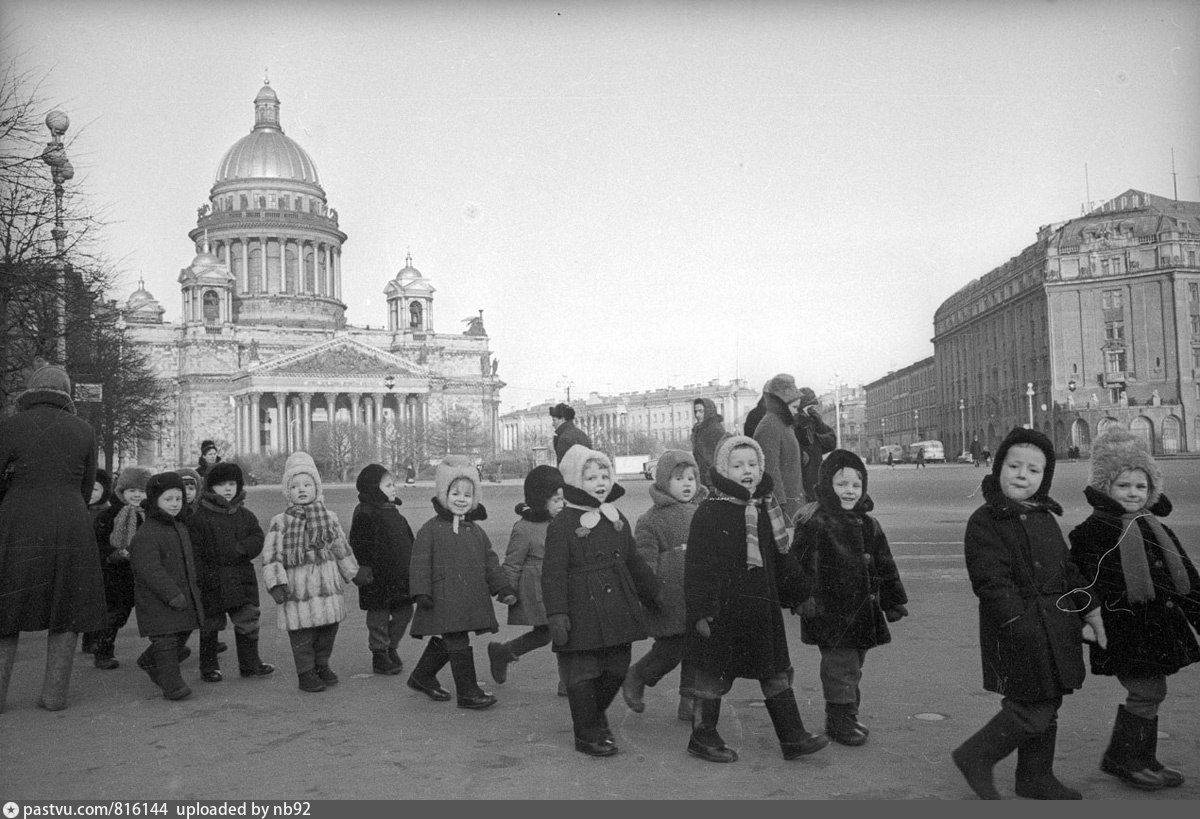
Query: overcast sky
{"points": [[638, 194]]}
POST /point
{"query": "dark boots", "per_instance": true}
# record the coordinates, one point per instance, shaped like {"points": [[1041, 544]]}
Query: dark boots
{"points": [[1130, 752], [466, 684], [977, 756], [210, 668], [381, 663], [1035, 768], [424, 677], [1170, 776], [606, 687], [842, 725], [249, 663], [165, 657], [794, 740], [705, 742], [632, 690], [590, 736], [499, 656], [687, 709], [103, 649]]}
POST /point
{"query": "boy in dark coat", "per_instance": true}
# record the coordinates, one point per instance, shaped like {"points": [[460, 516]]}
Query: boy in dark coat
{"points": [[1030, 595], [856, 590], [226, 537], [115, 529], [1148, 590], [738, 572], [168, 597], [382, 542], [99, 504], [592, 582]]}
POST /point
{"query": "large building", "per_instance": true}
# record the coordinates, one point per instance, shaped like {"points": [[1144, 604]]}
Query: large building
{"points": [[901, 407], [264, 356]]}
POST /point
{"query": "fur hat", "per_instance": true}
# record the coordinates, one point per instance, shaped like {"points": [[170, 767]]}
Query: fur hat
{"points": [[808, 398], [834, 462], [540, 485], [726, 447], [783, 387], [1117, 451], [205, 446], [131, 477], [563, 411], [301, 463], [222, 472], [451, 469], [1030, 437], [667, 463], [571, 466], [160, 483]]}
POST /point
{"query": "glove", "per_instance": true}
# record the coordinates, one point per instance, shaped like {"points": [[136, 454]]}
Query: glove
{"points": [[279, 594], [424, 601], [560, 627], [895, 613], [1093, 628], [703, 628], [178, 602], [365, 576], [806, 609]]}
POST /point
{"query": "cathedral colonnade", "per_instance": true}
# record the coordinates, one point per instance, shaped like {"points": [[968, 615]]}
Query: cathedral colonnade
{"points": [[283, 421], [271, 264]]}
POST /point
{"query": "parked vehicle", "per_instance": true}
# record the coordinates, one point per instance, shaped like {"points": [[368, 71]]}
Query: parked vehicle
{"points": [[896, 450], [648, 468], [965, 457], [934, 452]]}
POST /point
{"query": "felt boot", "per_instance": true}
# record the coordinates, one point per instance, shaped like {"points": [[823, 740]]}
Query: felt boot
{"points": [[60, 653], [145, 661], [210, 667], [633, 689], [466, 683], [249, 663], [687, 708], [166, 665], [309, 681], [705, 742], [607, 685], [842, 725], [499, 656], [1128, 755], [794, 740], [424, 677], [977, 756], [103, 648], [1035, 768], [585, 719], [381, 664], [8, 656], [1170, 776]]}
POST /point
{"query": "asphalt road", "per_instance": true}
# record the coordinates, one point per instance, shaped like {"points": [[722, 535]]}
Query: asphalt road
{"points": [[373, 738]]}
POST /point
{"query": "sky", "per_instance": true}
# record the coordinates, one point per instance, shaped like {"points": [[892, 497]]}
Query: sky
{"points": [[637, 194]]}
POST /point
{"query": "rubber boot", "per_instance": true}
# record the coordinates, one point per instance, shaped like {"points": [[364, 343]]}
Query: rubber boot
{"points": [[1172, 777], [977, 756], [166, 665], [633, 689], [466, 683], [424, 677], [1128, 755], [210, 667], [249, 663], [842, 725], [60, 653], [606, 687], [1035, 768], [8, 656], [103, 648], [705, 742], [382, 664], [794, 740], [499, 656], [585, 719]]}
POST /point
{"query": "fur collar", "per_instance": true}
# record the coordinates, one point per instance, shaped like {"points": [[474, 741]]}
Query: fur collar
{"points": [[1106, 505], [1005, 507]]}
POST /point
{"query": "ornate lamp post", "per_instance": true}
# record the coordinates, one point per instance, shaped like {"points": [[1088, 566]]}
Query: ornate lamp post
{"points": [[962, 419], [917, 424], [1029, 393], [836, 384], [61, 170]]}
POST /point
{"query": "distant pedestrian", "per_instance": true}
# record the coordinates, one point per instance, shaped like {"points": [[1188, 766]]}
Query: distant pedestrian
{"points": [[707, 432], [114, 530], [816, 439], [976, 451], [99, 504], [566, 434], [781, 449], [209, 456], [920, 457], [986, 454], [891, 462]]}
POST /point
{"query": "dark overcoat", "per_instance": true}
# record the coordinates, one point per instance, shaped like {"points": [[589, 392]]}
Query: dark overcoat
{"points": [[226, 537], [523, 562], [382, 540], [118, 572], [50, 575], [705, 437], [1145, 639], [566, 436], [163, 569]]}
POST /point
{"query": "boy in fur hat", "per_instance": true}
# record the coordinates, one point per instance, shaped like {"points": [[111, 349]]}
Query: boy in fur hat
{"points": [[453, 575], [305, 560], [592, 582], [115, 529], [661, 535], [1149, 596], [856, 590], [226, 537], [1030, 595], [738, 572]]}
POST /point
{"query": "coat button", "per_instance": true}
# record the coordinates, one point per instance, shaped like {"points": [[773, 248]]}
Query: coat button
{"points": [[1158, 563], [1022, 516], [1170, 604], [608, 589], [617, 554]]}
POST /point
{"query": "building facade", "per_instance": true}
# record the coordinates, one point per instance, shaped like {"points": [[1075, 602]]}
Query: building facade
{"points": [[902, 407], [264, 358], [844, 410]]}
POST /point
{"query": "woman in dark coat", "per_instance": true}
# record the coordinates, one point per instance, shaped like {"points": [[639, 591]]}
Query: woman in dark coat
{"points": [[50, 577], [706, 434], [780, 447]]}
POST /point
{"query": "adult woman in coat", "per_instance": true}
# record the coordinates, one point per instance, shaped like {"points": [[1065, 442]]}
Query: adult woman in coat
{"points": [[780, 447], [706, 434], [50, 578]]}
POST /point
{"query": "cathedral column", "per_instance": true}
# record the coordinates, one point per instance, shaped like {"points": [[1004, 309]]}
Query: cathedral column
{"points": [[306, 414], [245, 284], [295, 426], [262, 256], [377, 399], [279, 428], [354, 399], [329, 261], [330, 406], [255, 423], [239, 424]]}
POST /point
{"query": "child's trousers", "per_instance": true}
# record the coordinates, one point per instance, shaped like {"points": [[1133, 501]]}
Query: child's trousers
{"points": [[312, 647], [385, 627], [1144, 694], [841, 672], [664, 654]]}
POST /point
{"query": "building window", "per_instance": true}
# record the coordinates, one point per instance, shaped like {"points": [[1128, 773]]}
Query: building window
{"points": [[1194, 293], [1114, 361], [414, 315], [1114, 330], [1195, 321], [212, 307], [1112, 300], [1196, 358]]}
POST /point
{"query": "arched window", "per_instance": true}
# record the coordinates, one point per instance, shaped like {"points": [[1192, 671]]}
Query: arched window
{"points": [[414, 313], [1171, 430], [212, 307], [1141, 427]]}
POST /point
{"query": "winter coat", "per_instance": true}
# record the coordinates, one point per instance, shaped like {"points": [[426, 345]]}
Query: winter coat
{"points": [[661, 535], [1145, 639], [315, 586], [781, 451], [748, 638], [117, 570], [49, 575], [754, 416], [382, 540], [523, 563], [164, 569], [705, 437], [1030, 629], [565, 437], [597, 578], [459, 571], [816, 439], [226, 537]]}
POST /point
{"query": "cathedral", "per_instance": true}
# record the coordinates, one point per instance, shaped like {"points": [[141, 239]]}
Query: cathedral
{"points": [[263, 356]]}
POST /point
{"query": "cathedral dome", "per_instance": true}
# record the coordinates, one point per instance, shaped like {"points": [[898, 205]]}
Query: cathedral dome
{"points": [[142, 307], [266, 152]]}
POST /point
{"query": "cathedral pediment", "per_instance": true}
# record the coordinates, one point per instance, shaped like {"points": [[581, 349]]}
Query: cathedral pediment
{"points": [[341, 357]]}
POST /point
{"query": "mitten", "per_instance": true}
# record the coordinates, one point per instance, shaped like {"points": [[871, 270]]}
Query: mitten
{"points": [[279, 594], [365, 576], [178, 602], [895, 613], [703, 627], [560, 627], [507, 596], [806, 609], [1093, 628], [424, 601]]}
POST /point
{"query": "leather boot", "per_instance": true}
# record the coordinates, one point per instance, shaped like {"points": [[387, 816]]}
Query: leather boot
{"points": [[633, 689], [249, 663], [466, 683], [382, 664], [842, 725], [8, 656], [310, 682], [166, 665], [794, 740], [1128, 757], [705, 742], [103, 648], [589, 737], [210, 667], [424, 677], [1035, 768], [60, 653], [977, 756], [499, 656], [606, 687], [1170, 776]]}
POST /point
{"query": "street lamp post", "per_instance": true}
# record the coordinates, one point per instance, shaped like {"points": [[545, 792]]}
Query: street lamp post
{"points": [[566, 381], [917, 424], [962, 420], [1029, 393], [61, 170], [836, 383]]}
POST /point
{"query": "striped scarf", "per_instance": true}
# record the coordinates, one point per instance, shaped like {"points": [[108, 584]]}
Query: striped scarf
{"points": [[125, 524], [308, 535], [1134, 565], [779, 526]]}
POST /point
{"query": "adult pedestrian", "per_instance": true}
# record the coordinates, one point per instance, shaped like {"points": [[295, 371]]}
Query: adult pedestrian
{"points": [[891, 460], [210, 456], [781, 448], [50, 578], [755, 415], [816, 439], [976, 451], [566, 434], [706, 434], [920, 457]]}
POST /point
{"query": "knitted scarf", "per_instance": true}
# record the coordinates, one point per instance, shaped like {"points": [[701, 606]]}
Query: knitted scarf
{"points": [[779, 526], [1134, 565], [308, 535], [125, 524]]}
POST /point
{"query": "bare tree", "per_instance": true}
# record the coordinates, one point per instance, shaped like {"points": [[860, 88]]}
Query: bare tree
{"points": [[454, 430], [340, 447]]}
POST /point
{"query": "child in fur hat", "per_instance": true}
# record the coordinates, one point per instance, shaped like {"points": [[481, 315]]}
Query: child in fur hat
{"points": [[305, 560], [661, 535], [192, 486], [523, 567], [738, 573], [382, 542], [115, 529], [453, 575], [1148, 593], [98, 505], [1030, 597], [592, 582], [856, 590]]}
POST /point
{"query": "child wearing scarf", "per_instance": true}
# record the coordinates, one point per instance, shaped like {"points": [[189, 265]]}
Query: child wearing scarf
{"points": [[1148, 592], [592, 581], [452, 577], [305, 560], [114, 529], [738, 573]]}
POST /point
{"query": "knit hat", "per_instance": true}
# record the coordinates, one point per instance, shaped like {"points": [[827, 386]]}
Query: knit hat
{"points": [[160, 483], [667, 462], [807, 397], [105, 481], [563, 411], [783, 387], [301, 463], [571, 466], [367, 483], [47, 383], [1020, 435], [726, 447], [838, 460], [1117, 451], [451, 469], [222, 472], [131, 477], [540, 485]]}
